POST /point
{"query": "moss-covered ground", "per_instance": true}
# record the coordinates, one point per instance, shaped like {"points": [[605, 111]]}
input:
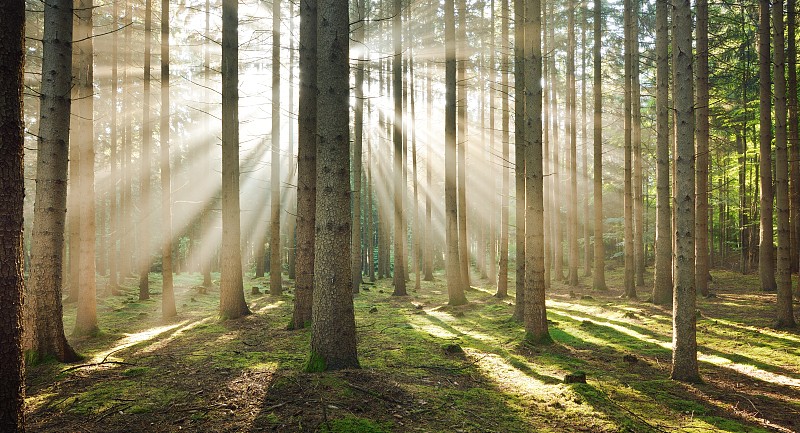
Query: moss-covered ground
{"points": [[197, 373]]}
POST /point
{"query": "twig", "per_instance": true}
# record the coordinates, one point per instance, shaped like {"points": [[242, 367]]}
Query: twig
{"points": [[94, 365]]}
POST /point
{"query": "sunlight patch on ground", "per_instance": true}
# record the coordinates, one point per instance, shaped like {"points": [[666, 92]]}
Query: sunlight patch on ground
{"points": [[265, 308], [134, 339], [769, 332], [451, 321], [509, 378], [720, 361], [35, 402], [434, 330], [179, 332]]}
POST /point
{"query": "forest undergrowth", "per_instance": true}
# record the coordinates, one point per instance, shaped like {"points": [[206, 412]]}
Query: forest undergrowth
{"points": [[426, 366]]}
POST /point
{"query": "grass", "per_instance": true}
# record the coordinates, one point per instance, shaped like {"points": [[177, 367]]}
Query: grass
{"points": [[426, 366]]}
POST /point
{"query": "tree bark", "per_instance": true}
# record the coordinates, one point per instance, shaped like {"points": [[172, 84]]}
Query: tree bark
{"points": [[630, 288], [455, 285], [167, 290], [144, 176], [572, 134], [599, 279], [357, 149], [463, 123], [662, 272], [702, 163], [794, 134], [12, 194], [86, 318], [306, 165], [766, 254], [636, 150], [275, 278], [519, 156], [502, 278], [535, 311], [785, 314], [333, 330], [684, 344], [399, 185], [232, 303], [47, 328]]}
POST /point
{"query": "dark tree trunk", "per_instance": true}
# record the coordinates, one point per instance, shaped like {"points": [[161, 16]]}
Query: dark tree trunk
{"points": [[12, 194], [519, 156], [144, 175], [599, 279], [766, 253]]}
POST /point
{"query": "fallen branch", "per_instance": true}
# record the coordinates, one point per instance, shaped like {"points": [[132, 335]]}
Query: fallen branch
{"points": [[95, 364]]}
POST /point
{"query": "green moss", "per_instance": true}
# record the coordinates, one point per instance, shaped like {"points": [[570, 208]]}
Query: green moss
{"points": [[136, 371], [316, 363], [538, 341]]}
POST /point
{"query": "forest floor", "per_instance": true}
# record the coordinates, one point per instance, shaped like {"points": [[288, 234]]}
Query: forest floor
{"points": [[196, 373]]}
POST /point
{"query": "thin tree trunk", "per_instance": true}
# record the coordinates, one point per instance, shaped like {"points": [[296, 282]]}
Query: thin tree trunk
{"points": [[636, 120], [599, 279], [275, 278], [86, 318], [208, 149], [167, 291], [557, 237], [587, 249], [502, 278], [455, 286], [766, 254], [145, 169], [113, 215], [630, 288], [684, 351], [357, 146], [463, 123], [492, 238], [399, 185], [701, 221], [662, 272], [519, 156], [572, 133], [306, 165]]}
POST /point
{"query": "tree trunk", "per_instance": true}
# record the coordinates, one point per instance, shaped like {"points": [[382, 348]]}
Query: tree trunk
{"points": [[587, 249], [12, 195], [599, 279], [572, 134], [662, 272], [144, 179], [794, 135], [630, 288], [113, 214], [455, 285], [519, 156], [306, 165], [275, 278], [502, 278], [684, 351], [167, 291], [399, 185], [463, 122], [766, 254], [702, 163], [357, 146], [785, 315], [636, 123], [557, 237], [491, 242], [535, 312], [232, 303], [86, 318], [333, 330], [47, 246], [210, 148]]}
